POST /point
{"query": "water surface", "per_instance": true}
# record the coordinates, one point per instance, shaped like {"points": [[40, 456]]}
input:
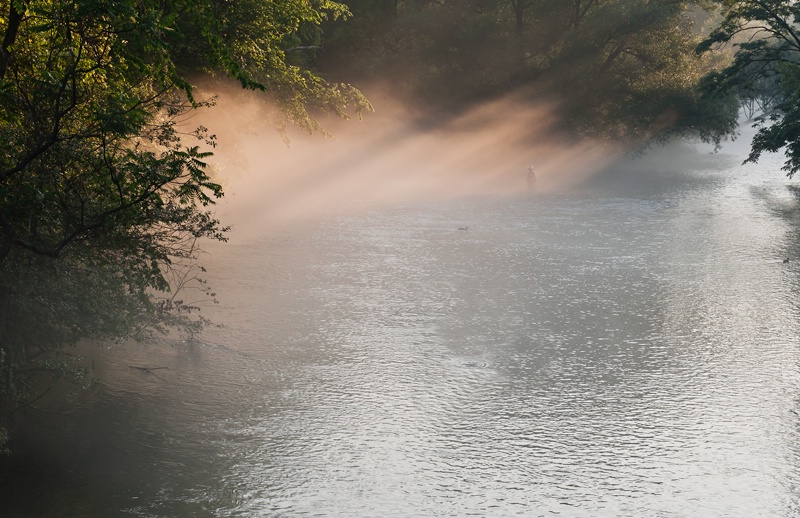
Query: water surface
{"points": [[627, 349]]}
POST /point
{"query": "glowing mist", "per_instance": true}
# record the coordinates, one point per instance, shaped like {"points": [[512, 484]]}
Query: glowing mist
{"points": [[385, 158]]}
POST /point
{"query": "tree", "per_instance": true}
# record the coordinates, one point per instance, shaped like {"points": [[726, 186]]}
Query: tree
{"points": [[766, 65], [614, 69], [642, 81], [103, 197]]}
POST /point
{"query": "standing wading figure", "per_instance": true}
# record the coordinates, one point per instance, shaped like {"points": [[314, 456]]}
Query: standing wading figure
{"points": [[531, 179]]}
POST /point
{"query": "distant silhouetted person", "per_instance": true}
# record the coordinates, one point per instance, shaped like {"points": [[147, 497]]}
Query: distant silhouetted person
{"points": [[531, 178]]}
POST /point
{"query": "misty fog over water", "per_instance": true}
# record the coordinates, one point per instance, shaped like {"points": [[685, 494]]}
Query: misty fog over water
{"points": [[623, 345]]}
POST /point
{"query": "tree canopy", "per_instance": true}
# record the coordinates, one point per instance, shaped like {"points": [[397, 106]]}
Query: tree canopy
{"points": [[103, 193], [615, 69], [765, 69]]}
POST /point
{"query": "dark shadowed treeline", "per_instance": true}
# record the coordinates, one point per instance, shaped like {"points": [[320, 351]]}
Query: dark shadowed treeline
{"points": [[616, 69]]}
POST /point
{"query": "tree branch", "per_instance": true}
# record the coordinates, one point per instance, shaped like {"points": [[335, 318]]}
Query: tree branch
{"points": [[14, 21]]}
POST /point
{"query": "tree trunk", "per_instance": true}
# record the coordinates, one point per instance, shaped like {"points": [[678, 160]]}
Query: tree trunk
{"points": [[519, 10], [14, 21]]}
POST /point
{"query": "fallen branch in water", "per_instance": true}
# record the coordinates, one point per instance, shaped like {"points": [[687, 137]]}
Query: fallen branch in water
{"points": [[146, 369]]}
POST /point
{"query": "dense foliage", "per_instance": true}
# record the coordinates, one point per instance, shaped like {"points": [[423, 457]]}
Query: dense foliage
{"points": [[765, 70], [616, 69], [103, 193]]}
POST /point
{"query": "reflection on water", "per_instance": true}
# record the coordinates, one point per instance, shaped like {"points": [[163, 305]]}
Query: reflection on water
{"points": [[616, 352]]}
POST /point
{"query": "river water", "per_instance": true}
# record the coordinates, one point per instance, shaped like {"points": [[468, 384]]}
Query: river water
{"points": [[628, 348]]}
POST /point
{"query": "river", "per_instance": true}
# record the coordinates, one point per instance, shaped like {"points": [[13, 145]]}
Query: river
{"points": [[629, 347]]}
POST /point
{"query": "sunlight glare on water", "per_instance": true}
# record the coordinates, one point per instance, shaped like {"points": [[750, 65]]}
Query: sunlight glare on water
{"points": [[627, 349], [586, 355]]}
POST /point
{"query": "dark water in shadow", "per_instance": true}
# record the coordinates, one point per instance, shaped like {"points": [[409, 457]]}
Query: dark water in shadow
{"points": [[630, 349]]}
